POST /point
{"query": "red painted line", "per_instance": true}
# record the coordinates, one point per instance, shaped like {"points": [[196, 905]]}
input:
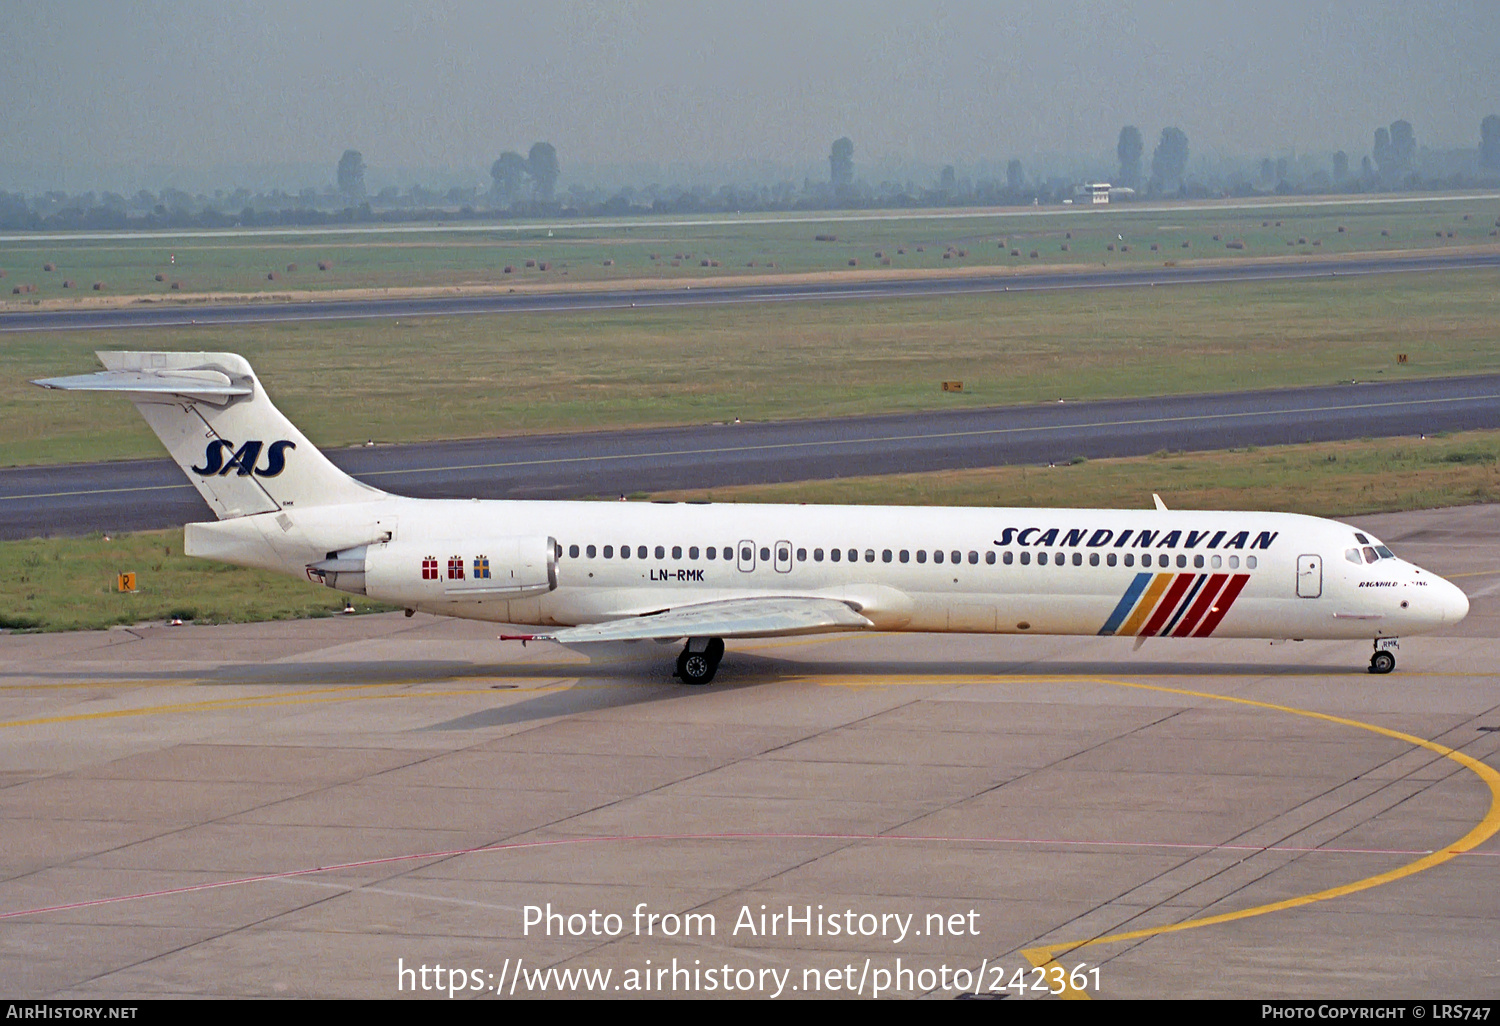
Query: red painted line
{"points": [[1231, 592], [1168, 604], [1202, 605]]}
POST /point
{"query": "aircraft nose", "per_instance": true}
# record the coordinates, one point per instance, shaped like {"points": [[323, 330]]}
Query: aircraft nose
{"points": [[1453, 602]]}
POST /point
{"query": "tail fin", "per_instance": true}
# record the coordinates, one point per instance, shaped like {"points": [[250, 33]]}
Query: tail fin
{"points": [[212, 414]]}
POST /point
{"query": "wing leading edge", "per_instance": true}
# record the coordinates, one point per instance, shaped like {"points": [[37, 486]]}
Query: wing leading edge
{"points": [[731, 618]]}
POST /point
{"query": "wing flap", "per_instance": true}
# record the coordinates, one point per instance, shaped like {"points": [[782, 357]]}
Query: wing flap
{"points": [[731, 618]]}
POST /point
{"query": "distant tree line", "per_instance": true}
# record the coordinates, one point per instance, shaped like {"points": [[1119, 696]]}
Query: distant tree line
{"points": [[529, 186]]}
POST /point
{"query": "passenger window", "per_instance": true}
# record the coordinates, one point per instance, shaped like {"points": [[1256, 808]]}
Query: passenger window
{"points": [[973, 557], [817, 555], [609, 552], [747, 554], [1216, 562], [591, 551], [989, 557], [854, 556], [921, 555], [624, 551], [572, 551], [886, 556], [937, 555], [1234, 562], [676, 551], [1249, 562], [1110, 559], [661, 552], [906, 555], [784, 555], [1181, 562], [802, 555], [1061, 558], [765, 553], [835, 554], [1130, 559], [1093, 559], [1078, 559], [1009, 556], [1025, 557], [711, 553], [692, 552], [869, 555], [956, 556], [1041, 559], [1198, 562]]}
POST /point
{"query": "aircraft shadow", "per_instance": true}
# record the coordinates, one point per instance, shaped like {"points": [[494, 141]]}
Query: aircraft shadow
{"points": [[612, 684]]}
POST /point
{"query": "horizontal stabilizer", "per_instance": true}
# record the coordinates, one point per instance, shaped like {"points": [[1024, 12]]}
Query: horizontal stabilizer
{"points": [[208, 385], [732, 618]]}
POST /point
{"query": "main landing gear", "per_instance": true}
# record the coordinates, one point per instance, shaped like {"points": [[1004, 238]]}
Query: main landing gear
{"points": [[699, 660], [1384, 659]]}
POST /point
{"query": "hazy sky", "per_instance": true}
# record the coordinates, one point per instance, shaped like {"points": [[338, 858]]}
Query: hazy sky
{"points": [[200, 84]]}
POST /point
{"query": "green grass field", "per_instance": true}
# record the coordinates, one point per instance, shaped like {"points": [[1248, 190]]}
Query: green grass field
{"points": [[343, 383], [69, 583], [684, 250], [1328, 479]]}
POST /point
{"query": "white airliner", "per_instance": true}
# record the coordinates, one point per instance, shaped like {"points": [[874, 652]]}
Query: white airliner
{"points": [[591, 572]]}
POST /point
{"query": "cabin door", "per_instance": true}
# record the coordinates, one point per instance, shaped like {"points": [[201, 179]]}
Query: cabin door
{"points": [[1309, 576]]}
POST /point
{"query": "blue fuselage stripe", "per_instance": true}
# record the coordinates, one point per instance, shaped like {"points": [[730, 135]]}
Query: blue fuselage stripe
{"points": [[1127, 603]]}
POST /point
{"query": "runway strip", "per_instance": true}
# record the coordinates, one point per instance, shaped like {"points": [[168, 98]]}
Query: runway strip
{"points": [[149, 494], [166, 315]]}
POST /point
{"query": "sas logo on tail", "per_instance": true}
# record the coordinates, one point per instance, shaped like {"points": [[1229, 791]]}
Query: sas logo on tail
{"points": [[244, 459]]}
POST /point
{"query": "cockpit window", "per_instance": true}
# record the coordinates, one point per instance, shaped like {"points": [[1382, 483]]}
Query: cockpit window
{"points": [[1372, 549]]}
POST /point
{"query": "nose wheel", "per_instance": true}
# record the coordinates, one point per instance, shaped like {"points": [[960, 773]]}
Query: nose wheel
{"points": [[699, 660], [1382, 662]]}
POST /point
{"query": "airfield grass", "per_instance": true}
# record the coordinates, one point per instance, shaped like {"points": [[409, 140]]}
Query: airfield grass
{"points": [[344, 383], [1322, 479], [682, 250], [63, 584], [69, 583]]}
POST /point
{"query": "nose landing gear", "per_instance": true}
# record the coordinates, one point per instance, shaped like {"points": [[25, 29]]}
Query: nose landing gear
{"points": [[1384, 659], [699, 660]]}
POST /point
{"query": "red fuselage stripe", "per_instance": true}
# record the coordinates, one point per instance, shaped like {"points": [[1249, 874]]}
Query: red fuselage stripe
{"points": [[1231, 592], [1204, 602]]}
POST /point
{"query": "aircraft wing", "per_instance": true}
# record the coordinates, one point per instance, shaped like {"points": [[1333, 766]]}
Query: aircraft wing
{"points": [[731, 618]]}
